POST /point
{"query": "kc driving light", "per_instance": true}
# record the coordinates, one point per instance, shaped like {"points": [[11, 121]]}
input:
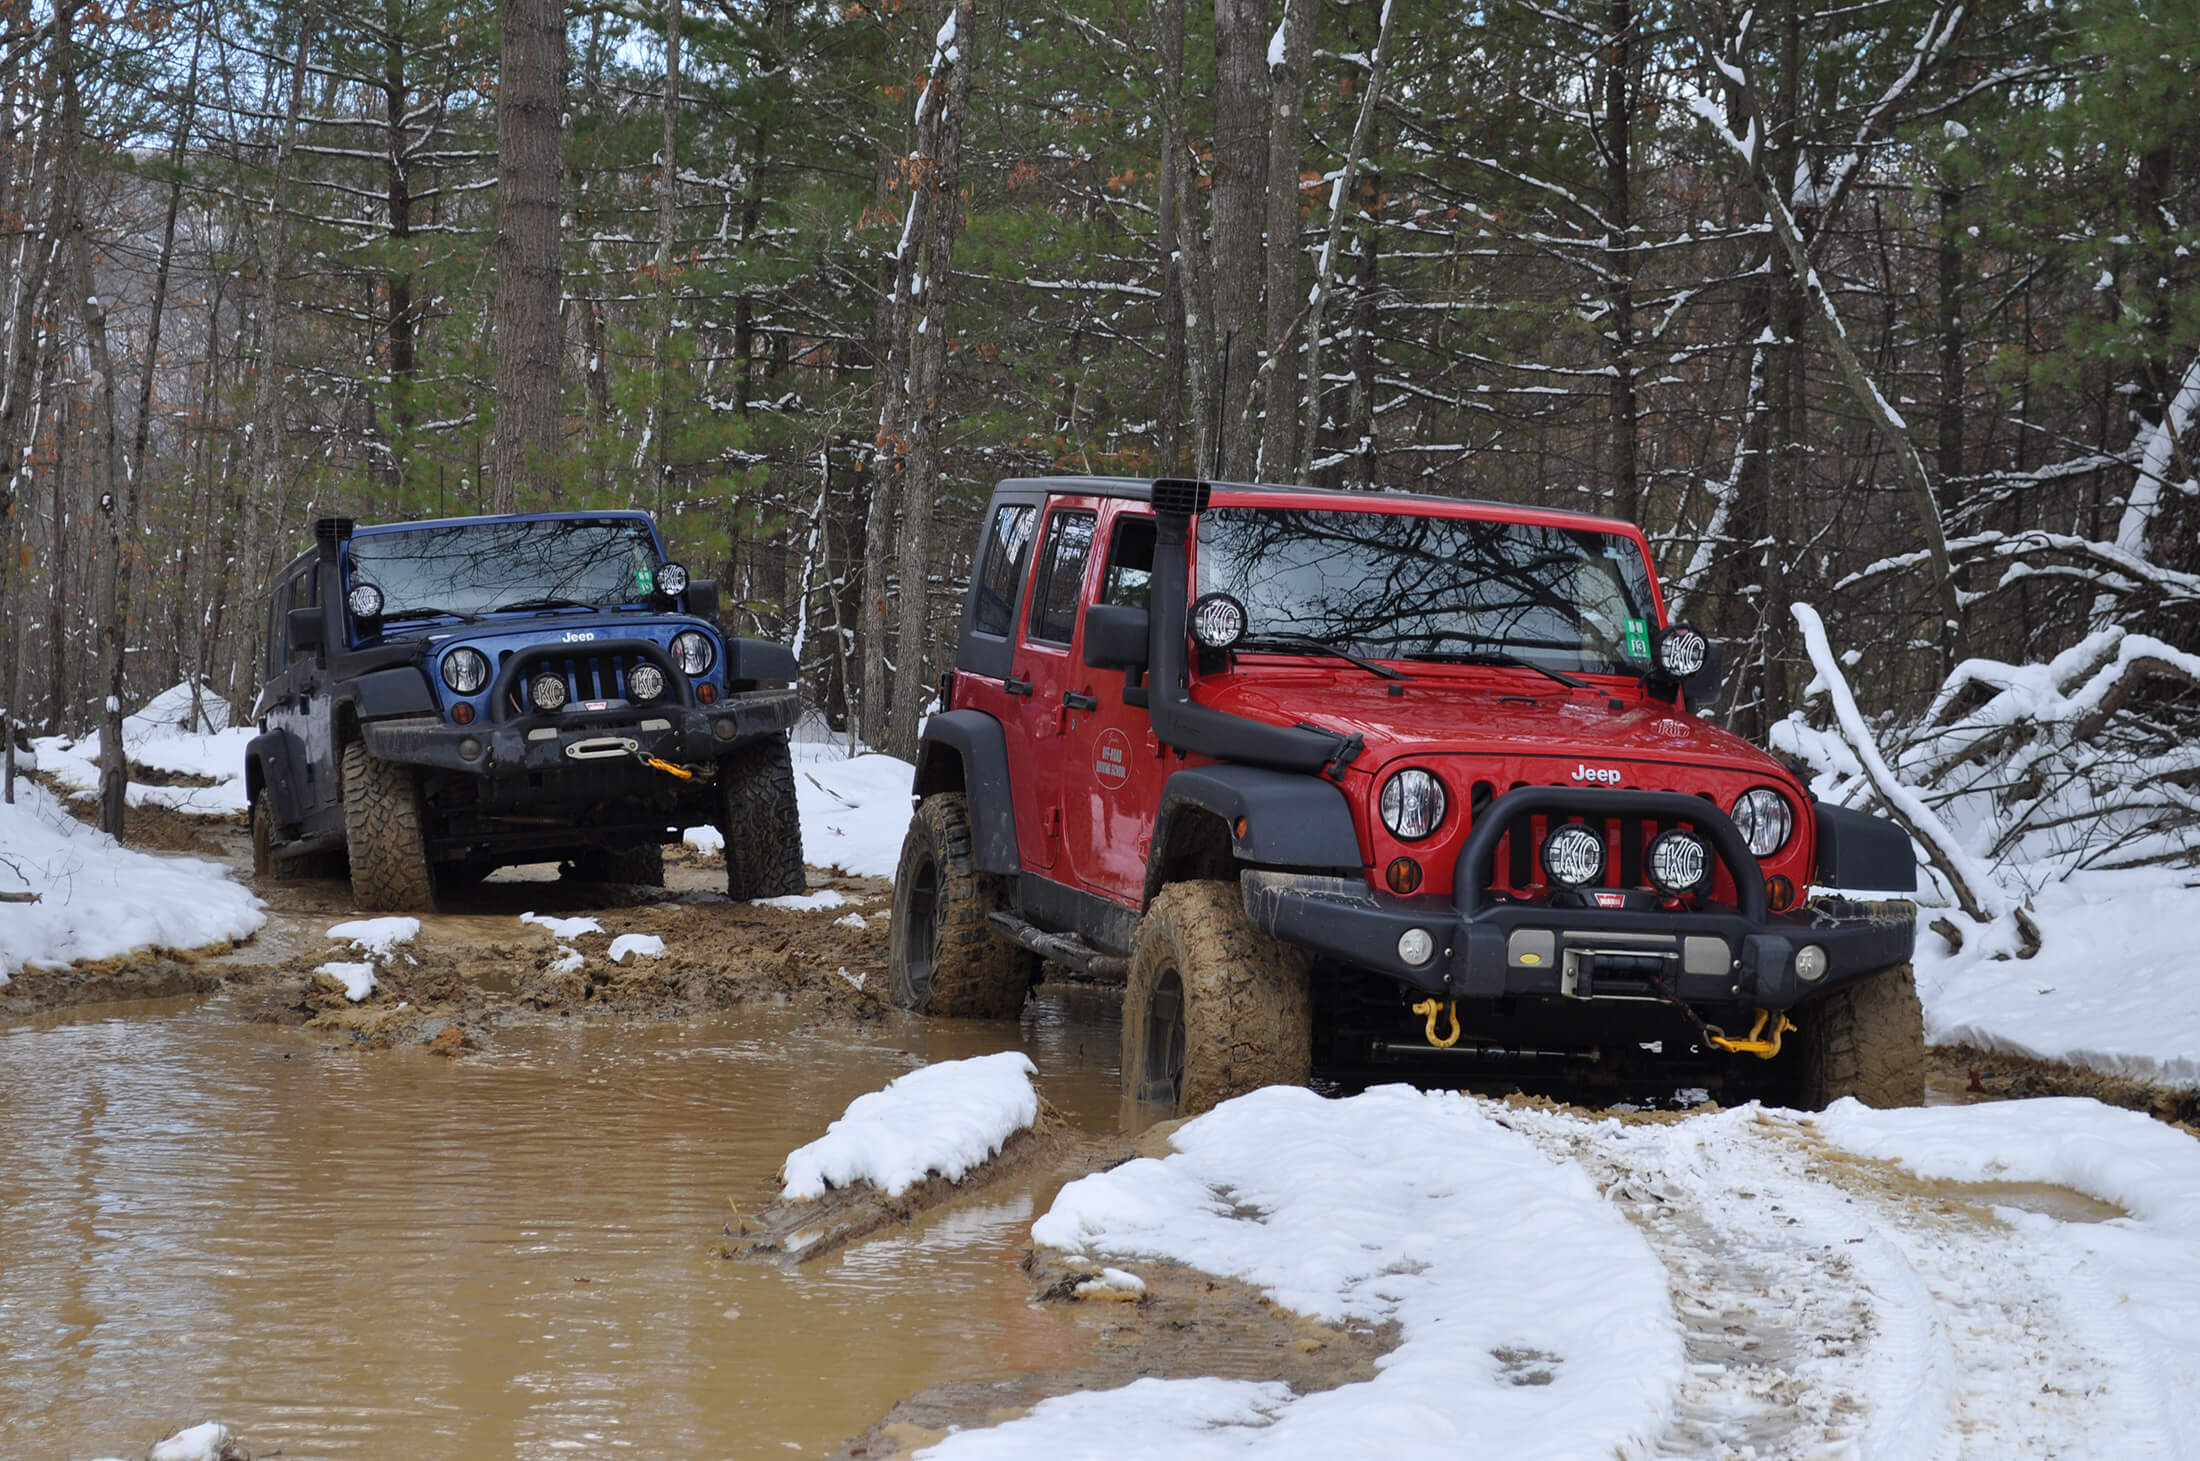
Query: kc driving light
{"points": [[1682, 651], [365, 601], [547, 691], [691, 651], [1218, 621], [1677, 862], [645, 682], [672, 579], [1573, 854], [1412, 804], [1761, 815], [465, 671]]}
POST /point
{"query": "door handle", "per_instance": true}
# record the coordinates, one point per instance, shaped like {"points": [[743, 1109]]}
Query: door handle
{"points": [[1015, 686], [1078, 700]]}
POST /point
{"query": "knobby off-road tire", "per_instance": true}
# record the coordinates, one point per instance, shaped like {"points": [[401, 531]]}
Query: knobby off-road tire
{"points": [[264, 864], [1866, 1039], [763, 827], [943, 957], [643, 866], [385, 832], [1214, 1007]]}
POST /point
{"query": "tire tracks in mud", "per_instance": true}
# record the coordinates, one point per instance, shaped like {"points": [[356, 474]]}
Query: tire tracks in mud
{"points": [[1835, 1307]]}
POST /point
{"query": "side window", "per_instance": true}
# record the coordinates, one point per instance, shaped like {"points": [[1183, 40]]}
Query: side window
{"points": [[301, 597], [1128, 578], [1061, 576], [1007, 550], [278, 646]]}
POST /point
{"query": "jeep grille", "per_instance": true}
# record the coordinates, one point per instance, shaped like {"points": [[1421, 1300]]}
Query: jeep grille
{"points": [[1625, 839], [586, 676]]}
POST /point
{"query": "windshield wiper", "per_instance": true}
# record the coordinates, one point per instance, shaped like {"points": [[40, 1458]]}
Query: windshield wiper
{"points": [[545, 603], [1323, 646], [429, 611], [1499, 657]]}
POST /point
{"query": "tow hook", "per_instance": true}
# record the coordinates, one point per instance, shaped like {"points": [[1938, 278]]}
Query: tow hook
{"points": [[1756, 1043], [1432, 1007]]}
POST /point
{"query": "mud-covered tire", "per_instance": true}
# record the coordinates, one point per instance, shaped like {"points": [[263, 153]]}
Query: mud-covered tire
{"points": [[264, 863], [1214, 1007], [1866, 1039], [943, 957], [762, 826], [385, 833], [643, 867]]}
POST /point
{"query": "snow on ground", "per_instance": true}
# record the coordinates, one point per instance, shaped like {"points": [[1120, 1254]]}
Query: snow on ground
{"points": [[207, 1441], [944, 1118], [855, 810], [357, 979], [164, 737], [815, 902], [2115, 986], [640, 945], [98, 899], [378, 938], [563, 929], [1734, 1284]]}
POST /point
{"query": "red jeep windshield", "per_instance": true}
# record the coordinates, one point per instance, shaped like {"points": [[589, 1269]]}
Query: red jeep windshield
{"points": [[1451, 589]]}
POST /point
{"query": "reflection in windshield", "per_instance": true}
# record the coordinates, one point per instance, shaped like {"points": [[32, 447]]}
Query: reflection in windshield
{"points": [[1400, 586], [473, 568]]}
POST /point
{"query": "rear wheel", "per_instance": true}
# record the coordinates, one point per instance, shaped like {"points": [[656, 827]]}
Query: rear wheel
{"points": [[385, 833], [1214, 1007], [264, 864], [944, 957], [643, 866], [763, 826], [1866, 1039]]}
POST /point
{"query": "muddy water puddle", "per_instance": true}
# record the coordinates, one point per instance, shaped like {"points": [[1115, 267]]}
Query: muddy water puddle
{"points": [[345, 1253]]}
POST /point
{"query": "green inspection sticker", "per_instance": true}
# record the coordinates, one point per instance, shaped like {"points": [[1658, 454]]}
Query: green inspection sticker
{"points": [[645, 579], [1638, 639]]}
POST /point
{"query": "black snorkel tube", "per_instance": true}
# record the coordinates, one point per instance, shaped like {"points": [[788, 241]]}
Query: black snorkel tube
{"points": [[1199, 729]]}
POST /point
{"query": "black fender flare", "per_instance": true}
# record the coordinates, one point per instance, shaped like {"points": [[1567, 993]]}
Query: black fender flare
{"points": [[1276, 818], [381, 694], [1859, 850], [271, 767], [967, 751], [760, 659]]}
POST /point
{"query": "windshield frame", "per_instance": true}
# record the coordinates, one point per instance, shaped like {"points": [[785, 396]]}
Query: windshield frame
{"points": [[463, 607], [1620, 545]]}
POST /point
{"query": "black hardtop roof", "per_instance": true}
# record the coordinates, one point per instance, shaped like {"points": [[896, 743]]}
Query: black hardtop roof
{"points": [[1140, 489]]}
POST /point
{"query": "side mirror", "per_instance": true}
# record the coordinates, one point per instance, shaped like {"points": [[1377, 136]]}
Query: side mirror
{"points": [[307, 630], [702, 598], [1116, 637]]}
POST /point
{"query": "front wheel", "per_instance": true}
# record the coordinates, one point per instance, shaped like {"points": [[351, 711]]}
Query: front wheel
{"points": [[763, 825], [1866, 1039], [944, 957], [264, 864], [1213, 1007], [385, 832]]}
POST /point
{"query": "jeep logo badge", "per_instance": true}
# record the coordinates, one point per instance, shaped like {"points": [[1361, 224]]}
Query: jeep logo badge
{"points": [[1598, 774], [579, 636]]}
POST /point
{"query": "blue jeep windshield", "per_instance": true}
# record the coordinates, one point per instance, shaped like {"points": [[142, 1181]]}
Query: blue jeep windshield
{"points": [[1402, 586], [474, 568]]}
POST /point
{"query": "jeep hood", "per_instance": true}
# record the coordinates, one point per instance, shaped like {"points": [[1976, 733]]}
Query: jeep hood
{"points": [[1505, 712], [525, 631]]}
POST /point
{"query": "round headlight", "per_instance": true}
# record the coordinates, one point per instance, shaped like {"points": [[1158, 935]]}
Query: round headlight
{"points": [[1218, 621], [465, 671], [645, 682], [1682, 651], [692, 652], [1412, 804], [547, 691], [1761, 815], [365, 601], [672, 579], [1677, 861], [1573, 854]]}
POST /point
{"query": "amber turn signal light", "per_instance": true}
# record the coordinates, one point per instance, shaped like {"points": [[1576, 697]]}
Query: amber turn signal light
{"points": [[463, 713], [1403, 875], [1780, 893], [706, 692]]}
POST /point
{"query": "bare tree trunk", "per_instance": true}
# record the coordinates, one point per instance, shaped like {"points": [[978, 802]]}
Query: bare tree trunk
{"points": [[530, 275], [1168, 21], [397, 185], [1238, 194], [668, 204], [1286, 306], [927, 375], [1619, 253]]}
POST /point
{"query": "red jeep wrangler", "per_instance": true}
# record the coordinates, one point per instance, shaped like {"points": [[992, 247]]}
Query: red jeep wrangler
{"points": [[1376, 780]]}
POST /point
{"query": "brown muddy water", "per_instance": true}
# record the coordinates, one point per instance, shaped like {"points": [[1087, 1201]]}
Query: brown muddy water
{"points": [[390, 1254]]}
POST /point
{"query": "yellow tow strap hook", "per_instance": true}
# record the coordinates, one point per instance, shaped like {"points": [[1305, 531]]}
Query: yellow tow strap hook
{"points": [[655, 764], [1433, 1007], [1756, 1043]]}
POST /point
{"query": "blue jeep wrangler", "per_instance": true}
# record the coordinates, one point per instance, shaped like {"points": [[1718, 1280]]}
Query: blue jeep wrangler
{"points": [[444, 698]]}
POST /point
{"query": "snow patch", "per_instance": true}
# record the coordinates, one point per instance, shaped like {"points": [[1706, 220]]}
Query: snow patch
{"points": [[850, 920], [378, 938], [945, 1118], [708, 841], [568, 960], [357, 979], [815, 902], [855, 809], [641, 945], [564, 930], [207, 1441]]}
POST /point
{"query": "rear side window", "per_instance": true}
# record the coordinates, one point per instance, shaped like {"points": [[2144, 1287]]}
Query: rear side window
{"points": [[1061, 576], [1007, 550]]}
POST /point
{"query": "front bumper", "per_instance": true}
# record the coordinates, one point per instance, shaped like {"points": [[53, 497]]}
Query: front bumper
{"points": [[1524, 949], [682, 734]]}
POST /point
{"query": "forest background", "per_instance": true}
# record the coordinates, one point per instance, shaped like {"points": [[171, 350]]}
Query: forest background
{"points": [[1889, 307]]}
